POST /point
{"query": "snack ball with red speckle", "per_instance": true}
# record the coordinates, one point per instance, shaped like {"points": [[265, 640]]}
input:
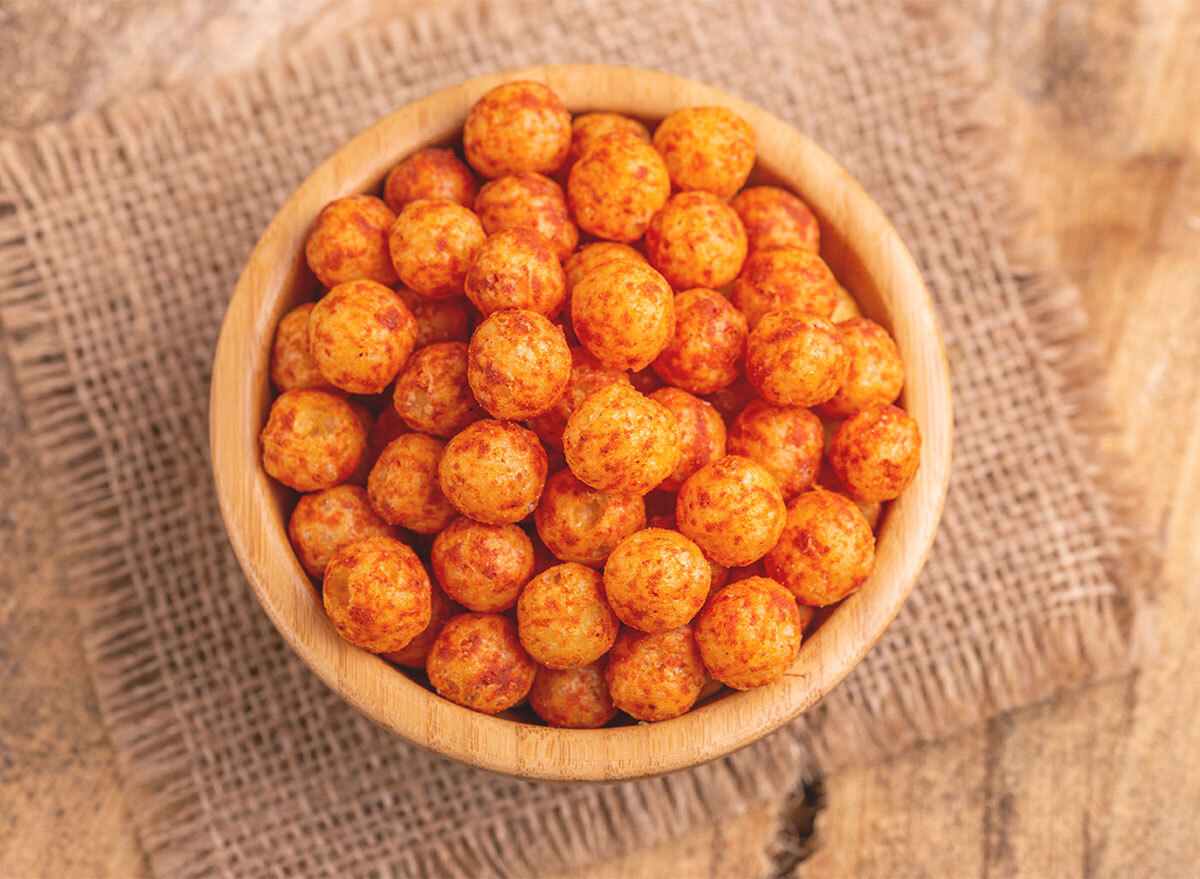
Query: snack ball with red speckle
{"points": [[429, 173], [787, 440], [367, 420], [478, 661], [581, 524], [621, 441], [414, 654], [696, 240], [775, 219], [709, 148], [796, 359], [784, 280], [701, 433], [719, 574], [655, 677], [530, 201], [438, 320], [624, 313], [325, 521], [704, 353], [846, 307], [403, 485], [826, 550], [518, 364], [656, 580], [377, 594], [572, 698], [749, 634], [516, 268], [588, 128], [432, 243], [593, 255], [733, 509], [482, 567], [587, 375], [431, 393], [617, 186], [292, 364], [360, 335], [517, 126], [349, 242], [563, 617], [312, 440], [876, 452], [876, 372], [494, 471]]}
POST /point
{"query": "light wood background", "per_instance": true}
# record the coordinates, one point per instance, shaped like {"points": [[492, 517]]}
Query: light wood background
{"points": [[1103, 782]]}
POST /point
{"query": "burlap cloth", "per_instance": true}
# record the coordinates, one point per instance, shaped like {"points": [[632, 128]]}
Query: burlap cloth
{"points": [[121, 236]]}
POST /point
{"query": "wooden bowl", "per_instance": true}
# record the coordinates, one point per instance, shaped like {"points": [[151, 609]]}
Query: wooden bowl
{"points": [[863, 250]]}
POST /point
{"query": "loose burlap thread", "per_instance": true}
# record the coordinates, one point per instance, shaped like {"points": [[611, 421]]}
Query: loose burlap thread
{"points": [[121, 236]]}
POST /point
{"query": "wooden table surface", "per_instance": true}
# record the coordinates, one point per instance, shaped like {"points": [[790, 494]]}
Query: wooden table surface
{"points": [[1102, 782]]}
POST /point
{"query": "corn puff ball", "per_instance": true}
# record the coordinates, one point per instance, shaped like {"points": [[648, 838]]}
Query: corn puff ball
{"points": [[517, 126], [592, 256], [563, 617], [709, 341], [621, 441], [292, 364], [876, 452], [312, 440], [587, 375], [655, 677], [749, 633], [826, 550], [581, 524], [429, 173], [708, 148], [616, 187], [775, 219], [532, 201], [624, 313], [701, 433], [518, 364], [482, 567], [494, 471], [415, 652], [403, 485], [325, 521], [656, 580], [588, 128], [431, 394], [784, 280], [360, 335], [696, 240], [796, 359], [377, 594], [438, 320], [516, 268], [733, 510], [349, 242], [787, 440], [478, 661], [876, 372], [572, 698], [432, 244]]}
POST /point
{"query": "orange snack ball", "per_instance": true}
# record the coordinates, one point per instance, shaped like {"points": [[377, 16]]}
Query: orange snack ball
{"points": [[732, 400], [414, 654], [516, 268], [846, 307], [563, 617], [403, 485], [438, 320], [482, 567], [656, 580], [494, 471], [774, 219], [292, 364], [655, 677], [532, 201], [733, 509], [696, 240], [876, 452], [876, 372], [826, 478], [709, 148], [517, 126], [621, 441], [518, 364], [708, 343], [349, 242], [587, 375], [749, 634], [572, 698], [588, 128], [325, 521], [624, 313], [360, 335], [377, 594], [582, 524], [616, 187], [432, 243], [701, 433], [431, 394], [787, 440], [592, 256], [478, 661], [796, 359], [429, 173], [784, 280], [312, 440], [826, 550]]}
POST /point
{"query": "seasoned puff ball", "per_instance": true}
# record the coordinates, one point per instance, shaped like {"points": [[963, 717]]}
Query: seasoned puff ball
{"points": [[587, 375], [517, 126], [360, 335], [796, 359], [656, 580], [325, 521], [482, 567], [349, 242], [876, 372], [624, 313], [438, 320], [581, 524], [516, 268], [784, 280], [787, 440], [431, 393], [709, 148], [592, 256], [704, 353], [588, 128], [494, 471], [429, 173], [414, 654], [572, 698], [563, 617], [846, 308], [518, 364], [621, 441], [826, 550], [532, 201], [616, 187], [749, 634], [377, 594], [876, 452], [478, 661], [733, 509], [403, 485], [655, 677], [696, 240], [701, 433], [432, 243], [292, 364], [774, 219], [312, 440]]}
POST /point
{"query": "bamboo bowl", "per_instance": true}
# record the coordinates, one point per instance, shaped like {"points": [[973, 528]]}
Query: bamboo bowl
{"points": [[864, 252]]}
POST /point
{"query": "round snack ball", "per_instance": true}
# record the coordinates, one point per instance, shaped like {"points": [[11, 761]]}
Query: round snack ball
{"points": [[367, 421], [581, 524], [749, 634], [876, 372], [621, 441], [360, 335], [587, 375], [532, 201], [478, 661], [438, 320], [403, 485], [796, 359], [312, 440], [588, 128], [413, 654], [516, 268], [616, 187], [563, 617], [494, 471], [482, 567], [431, 394], [377, 594], [876, 452], [787, 440], [696, 240], [784, 280], [846, 307], [708, 343], [655, 677], [572, 698], [826, 478], [701, 433], [429, 173], [325, 521], [774, 219], [517, 126], [733, 509], [432, 243], [624, 313], [349, 242], [292, 364], [656, 580], [826, 550], [518, 364], [709, 148], [592, 256]]}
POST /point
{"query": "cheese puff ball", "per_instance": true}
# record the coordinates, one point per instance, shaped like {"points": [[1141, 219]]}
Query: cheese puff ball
{"points": [[431, 393], [432, 243], [403, 485], [377, 594], [708, 343], [616, 187], [482, 567], [876, 372], [494, 471], [478, 661], [733, 509], [532, 201], [796, 359], [588, 128], [325, 521], [621, 441], [349, 242], [360, 335], [292, 364], [872, 510], [784, 280], [732, 400], [593, 255], [582, 524], [709, 148], [718, 574], [438, 320], [572, 698], [826, 550], [587, 375], [516, 268], [876, 452], [696, 240], [312, 440], [414, 654], [518, 364], [846, 307], [656, 580], [787, 440], [430, 173], [701, 433], [655, 677], [624, 313], [774, 219], [749, 634], [563, 617], [517, 126]]}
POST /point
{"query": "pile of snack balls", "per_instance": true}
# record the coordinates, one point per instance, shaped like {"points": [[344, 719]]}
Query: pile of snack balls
{"points": [[600, 433]]}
